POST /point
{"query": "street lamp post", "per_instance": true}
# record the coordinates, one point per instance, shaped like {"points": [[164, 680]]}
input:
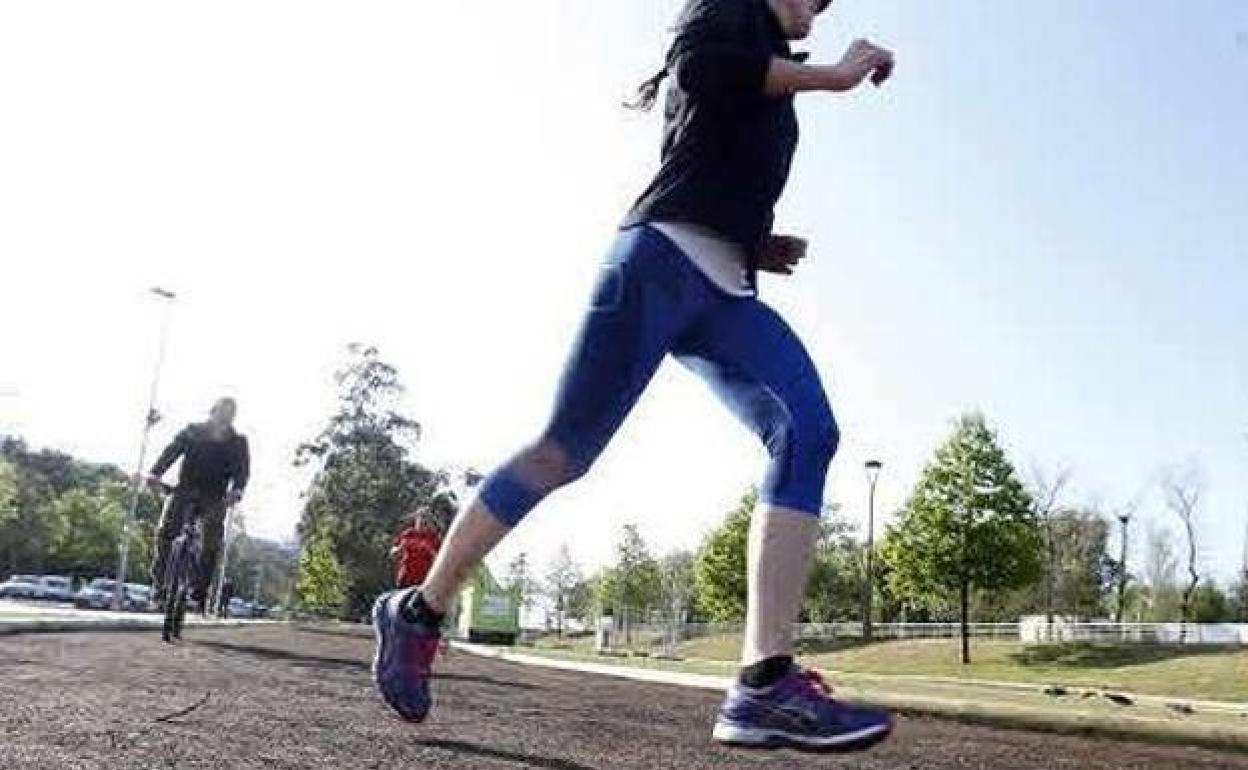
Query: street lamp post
{"points": [[1123, 519], [149, 420], [873, 474], [217, 588]]}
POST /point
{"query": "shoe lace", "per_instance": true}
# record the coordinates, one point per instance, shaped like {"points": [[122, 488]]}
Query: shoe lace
{"points": [[816, 682], [423, 649]]}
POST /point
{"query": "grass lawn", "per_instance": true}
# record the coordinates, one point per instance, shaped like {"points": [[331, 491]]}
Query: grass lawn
{"points": [[1211, 673], [922, 676]]}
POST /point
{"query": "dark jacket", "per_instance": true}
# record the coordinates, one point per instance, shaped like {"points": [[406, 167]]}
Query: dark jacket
{"points": [[727, 147], [208, 465]]}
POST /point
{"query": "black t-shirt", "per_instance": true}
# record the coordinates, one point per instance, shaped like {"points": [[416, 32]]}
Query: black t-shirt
{"points": [[209, 464], [727, 146]]}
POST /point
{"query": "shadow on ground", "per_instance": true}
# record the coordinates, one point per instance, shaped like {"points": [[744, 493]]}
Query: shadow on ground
{"points": [[1093, 655], [821, 646], [349, 632], [528, 760], [346, 664]]}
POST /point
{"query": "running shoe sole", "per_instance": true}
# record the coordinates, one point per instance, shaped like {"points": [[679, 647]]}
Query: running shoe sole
{"points": [[767, 738]]}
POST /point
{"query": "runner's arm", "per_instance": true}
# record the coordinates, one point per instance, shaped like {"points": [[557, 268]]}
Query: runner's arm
{"points": [[242, 467], [709, 60], [167, 458], [863, 59]]}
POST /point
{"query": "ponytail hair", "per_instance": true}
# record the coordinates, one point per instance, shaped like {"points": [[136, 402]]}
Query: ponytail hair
{"points": [[648, 92]]}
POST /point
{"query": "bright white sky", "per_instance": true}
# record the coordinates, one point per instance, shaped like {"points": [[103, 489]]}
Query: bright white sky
{"points": [[1042, 217]]}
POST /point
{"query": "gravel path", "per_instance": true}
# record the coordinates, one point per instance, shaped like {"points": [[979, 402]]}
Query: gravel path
{"points": [[281, 697]]}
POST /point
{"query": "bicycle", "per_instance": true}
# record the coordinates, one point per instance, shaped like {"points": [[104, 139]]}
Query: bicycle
{"points": [[181, 567]]}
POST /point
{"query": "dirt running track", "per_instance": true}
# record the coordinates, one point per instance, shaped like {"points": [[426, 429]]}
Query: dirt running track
{"points": [[301, 698]]}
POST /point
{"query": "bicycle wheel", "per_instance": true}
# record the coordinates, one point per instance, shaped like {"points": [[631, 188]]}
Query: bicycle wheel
{"points": [[175, 589]]}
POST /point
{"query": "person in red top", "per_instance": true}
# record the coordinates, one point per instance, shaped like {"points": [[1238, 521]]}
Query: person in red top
{"points": [[415, 548]]}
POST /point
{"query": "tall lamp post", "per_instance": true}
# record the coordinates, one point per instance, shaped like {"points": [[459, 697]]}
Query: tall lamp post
{"points": [[216, 591], [1123, 519], [873, 474], [150, 419]]}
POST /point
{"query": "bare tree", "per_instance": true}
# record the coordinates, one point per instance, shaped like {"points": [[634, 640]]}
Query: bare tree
{"points": [[562, 576], [1241, 590], [677, 573], [1045, 492], [520, 581], [1243, 571], [1159, 570], [1182, 494]]}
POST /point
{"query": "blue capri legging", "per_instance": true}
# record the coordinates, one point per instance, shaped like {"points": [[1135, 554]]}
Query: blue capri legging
{"points": [[650, 300]]}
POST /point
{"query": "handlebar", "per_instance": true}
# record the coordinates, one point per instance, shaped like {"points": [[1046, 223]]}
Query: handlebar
{"points": [[165, 489], [169, 489]]}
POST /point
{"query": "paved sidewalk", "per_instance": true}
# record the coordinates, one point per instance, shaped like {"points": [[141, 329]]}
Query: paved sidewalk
{"points": [[19, 618]]}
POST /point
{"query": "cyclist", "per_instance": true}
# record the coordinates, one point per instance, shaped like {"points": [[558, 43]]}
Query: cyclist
{"points": [[680, 280], [216, 464]]}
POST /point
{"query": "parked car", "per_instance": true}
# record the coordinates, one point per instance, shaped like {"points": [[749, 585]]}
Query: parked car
{"points": [[55, 588], [20, 587], [143, 597], [98, 595], [239, 608]]}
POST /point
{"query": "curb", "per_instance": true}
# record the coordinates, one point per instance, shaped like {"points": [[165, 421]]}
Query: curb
{"points": [[1001, 715], [1232, 707], [69, 625], [650, 675]]}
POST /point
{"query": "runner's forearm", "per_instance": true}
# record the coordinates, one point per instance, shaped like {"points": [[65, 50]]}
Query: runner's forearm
{"points": [[243, 470], [171, 454], [786, 77]]}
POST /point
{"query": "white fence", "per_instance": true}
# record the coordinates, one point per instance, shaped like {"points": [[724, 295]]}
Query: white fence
{"points": [[1036, 630], [850, 631], [1030, 630]]}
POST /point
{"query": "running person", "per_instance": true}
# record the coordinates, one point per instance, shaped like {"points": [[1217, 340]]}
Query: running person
{"points": [[680, 280], [414, 550], [216, 464]]}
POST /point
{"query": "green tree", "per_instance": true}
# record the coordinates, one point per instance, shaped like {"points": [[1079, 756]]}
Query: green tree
{"points": [[520, 581], [601, 588], [580, 602], [837, 575], [1210, 604], [1086, 574], [1081, 577], [677, 584], [719, 568], [322, 581], [1239, 598], [637, 571], [8, 511], [89, 522], [562, 576], [262, 570], [969, 524], [633, 584], [365, 481], [35, 527], [33, 524]]}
